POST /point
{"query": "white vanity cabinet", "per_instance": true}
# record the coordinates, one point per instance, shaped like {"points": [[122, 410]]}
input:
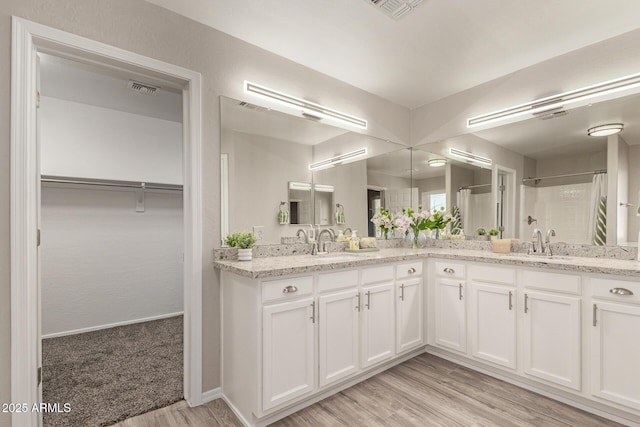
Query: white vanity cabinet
{"points": [[615, 341], [492, 314], [551, 333], [286, 340], [338, 326], [288, 355], [377, 307], [409, 306], [449, 305]]}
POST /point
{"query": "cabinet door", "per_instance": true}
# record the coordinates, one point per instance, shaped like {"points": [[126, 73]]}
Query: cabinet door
{"points": [[378, 323], [288, 351], [552, 338], [492, 323], [338, 327], [450, 317], [615, 352], [409, 315]]}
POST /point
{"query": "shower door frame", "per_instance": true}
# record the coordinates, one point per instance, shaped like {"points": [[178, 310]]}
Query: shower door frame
{"points": [[27, 38]]}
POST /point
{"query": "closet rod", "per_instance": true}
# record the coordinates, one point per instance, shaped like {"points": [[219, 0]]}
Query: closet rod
{"points": [[110, 183], [469, 187], [595, 172]]}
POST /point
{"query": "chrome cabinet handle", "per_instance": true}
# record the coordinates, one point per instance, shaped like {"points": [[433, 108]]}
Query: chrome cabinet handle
{"points": [[402, 292], [313, 312], [449, 270], [368, 304], [620, 291], [460, 291], [412, 270], [510, 300], [358, 304], [289, 290], [526, 303], [595, 313]]}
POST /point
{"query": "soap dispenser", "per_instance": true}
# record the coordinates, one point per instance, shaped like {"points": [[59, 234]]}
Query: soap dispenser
{"points": [[354, 241]]}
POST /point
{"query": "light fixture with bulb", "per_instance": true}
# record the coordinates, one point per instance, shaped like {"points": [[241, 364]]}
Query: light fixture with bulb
{"points": [[308, 108], [436, 163], [557, 101], [605, 130], [470, 157], [337, 159]]}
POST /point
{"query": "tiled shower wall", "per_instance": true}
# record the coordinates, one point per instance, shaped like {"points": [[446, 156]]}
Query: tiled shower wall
{"points": [[564, 208]]}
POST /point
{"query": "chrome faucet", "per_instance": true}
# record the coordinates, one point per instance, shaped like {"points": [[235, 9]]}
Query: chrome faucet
{"points": [[306, 236], [324, 231], [547, 242], [537, 247]]}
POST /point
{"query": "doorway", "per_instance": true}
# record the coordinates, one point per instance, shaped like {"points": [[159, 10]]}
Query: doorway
{"points": [[28, 40], [111, 242], [375, 197]]}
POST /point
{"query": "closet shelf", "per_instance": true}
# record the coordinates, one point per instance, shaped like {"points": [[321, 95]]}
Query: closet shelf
{"points": [[110, 183]]}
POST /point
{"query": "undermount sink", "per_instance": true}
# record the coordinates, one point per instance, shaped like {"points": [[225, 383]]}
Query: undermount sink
{"points": [[334, 258], [534, 257]]}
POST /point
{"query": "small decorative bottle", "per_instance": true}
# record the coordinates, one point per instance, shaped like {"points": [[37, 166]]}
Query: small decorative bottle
{"points": [[354, 241]]}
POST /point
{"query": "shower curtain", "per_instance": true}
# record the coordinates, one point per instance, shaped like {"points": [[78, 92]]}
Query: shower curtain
{"points": [[598, 213], [464, 205]]}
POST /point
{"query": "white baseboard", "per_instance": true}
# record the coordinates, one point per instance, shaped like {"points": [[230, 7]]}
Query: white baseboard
{"points": [[211, 395], [237, 413], [111, 325]]}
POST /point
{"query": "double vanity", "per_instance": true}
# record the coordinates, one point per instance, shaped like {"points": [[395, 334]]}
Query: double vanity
{"points": [[299, 328]]}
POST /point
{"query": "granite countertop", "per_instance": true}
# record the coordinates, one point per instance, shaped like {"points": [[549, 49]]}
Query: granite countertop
{"points": [[265, 267]]}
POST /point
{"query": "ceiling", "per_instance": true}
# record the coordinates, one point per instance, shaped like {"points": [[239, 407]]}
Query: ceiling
{"points": [[440, 48], [105, 87]]}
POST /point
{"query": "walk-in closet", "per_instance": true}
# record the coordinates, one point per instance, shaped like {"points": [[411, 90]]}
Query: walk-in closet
{"points": [[111, 253]]}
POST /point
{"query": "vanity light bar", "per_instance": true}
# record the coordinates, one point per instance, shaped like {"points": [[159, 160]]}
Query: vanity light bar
{"points": [[557, 101], [470, 156], [338, 159], [309, 108], [299, 186], [323, 188]]}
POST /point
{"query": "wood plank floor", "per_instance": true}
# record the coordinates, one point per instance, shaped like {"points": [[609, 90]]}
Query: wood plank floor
{"points": [[423, 391]]}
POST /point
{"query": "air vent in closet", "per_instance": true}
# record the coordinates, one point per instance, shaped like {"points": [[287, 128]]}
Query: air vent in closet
{"points": [[142, 87], [395, 9]]}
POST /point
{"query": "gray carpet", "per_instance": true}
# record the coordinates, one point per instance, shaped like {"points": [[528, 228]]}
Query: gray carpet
{"points": [[113, 374]]}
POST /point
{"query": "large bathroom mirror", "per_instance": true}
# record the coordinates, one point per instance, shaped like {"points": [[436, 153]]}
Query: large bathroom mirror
{"points": [[561, 174], [282, 173]]}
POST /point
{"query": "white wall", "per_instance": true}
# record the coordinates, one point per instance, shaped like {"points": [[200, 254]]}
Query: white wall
{"points": [[260, 169], [105, 263], [634, 194], [564, 208], [80, 140]]}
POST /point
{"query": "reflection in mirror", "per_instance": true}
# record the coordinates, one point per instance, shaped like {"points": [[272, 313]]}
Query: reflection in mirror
{"points": [[266, 151], [504, 198], [568, 175], [455, 185], [299, 203], [323, 204], [362, 187]]}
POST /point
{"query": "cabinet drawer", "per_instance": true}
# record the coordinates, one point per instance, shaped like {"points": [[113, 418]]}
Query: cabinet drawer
{"points": [[555, 282], [601, 288], [287, 288], [449, 269], [377, 274], [409, 269], [492, 274], [337, 280]]}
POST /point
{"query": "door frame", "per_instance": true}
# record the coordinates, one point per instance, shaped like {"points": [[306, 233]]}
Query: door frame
{"points": [[27, 38]]}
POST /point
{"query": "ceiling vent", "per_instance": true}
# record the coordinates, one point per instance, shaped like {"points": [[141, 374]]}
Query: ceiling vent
{"points": [[141, 87], [395, 9]]}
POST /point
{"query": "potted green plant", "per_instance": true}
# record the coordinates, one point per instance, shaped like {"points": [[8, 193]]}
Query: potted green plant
{"points": [[482, 234], [493, 233], [243, 242]]}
